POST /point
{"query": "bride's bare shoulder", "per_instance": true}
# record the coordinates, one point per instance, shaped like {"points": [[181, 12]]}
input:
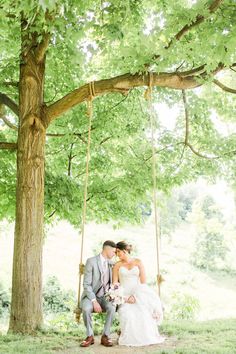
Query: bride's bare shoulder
{"points": [[138, 261]]}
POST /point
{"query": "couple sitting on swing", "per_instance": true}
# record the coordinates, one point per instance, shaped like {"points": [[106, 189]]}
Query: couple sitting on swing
{"points": [[140, 311]]}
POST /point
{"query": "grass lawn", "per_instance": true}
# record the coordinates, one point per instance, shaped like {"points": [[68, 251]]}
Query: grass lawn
{"points": [[183, 337], [215, 337]]}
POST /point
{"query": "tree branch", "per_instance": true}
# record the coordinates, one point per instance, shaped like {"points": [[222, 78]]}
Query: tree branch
{"points": [[78, 135], [8, 123], [201, 71], [104, 140], [52, 213], [54, 135], [8, 146], [42, 47], [163, 149], [10, 83], [187, 131], [70, 158], [122, 84], [101, 192], [199, 19], [7, 101], [196, 71], [223, 87], [186, 141]]}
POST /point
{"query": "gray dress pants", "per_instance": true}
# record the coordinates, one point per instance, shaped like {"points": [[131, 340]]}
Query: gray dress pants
{"points": [[106, 306]]}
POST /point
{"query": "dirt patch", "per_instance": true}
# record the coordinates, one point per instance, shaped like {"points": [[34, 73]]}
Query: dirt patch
{"points": [[97, 348]]}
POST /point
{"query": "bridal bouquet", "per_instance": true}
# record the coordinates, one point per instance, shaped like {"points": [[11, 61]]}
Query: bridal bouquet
{"points": [[115, 294]]}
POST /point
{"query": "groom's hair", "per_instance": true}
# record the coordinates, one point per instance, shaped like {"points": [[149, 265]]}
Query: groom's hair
{"points": [[109, 243]]}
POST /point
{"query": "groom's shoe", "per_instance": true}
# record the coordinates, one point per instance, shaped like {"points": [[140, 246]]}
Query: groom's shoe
{"points": [[87, 342], [106, 341]]}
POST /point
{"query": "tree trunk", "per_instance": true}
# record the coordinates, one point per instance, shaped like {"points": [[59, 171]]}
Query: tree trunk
{"points": [[26, 307]]}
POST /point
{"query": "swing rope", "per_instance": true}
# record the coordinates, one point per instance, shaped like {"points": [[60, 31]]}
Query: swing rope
{"points": [[148, 95], [84, 209]]}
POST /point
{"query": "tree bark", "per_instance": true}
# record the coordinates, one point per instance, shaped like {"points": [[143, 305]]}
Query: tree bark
{"points": [[26, 307]]}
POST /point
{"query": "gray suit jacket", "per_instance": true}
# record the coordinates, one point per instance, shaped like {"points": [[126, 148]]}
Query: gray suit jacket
{"points": [[93, 277]]}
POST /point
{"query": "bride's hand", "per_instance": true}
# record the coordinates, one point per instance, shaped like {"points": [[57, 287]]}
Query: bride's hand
{"points": [[131, 299]]}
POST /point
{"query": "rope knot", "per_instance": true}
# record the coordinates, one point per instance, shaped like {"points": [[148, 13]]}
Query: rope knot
{"points": [[77, 312], [148, 91], [160, 279], [81, 268]]}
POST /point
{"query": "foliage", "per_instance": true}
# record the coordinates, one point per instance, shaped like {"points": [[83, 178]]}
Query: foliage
{"points": [[99, 321], [55, 299], [175, 207], [210, 249], [4, 300], [184, 307], [91, 40], [61, 322], [7, 184]]}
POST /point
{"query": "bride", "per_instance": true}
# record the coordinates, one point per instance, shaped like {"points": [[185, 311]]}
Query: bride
{"points": [[142, 310]]}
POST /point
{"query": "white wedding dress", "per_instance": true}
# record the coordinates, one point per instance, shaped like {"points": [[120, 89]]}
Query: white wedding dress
{"points": [[138, 321]]}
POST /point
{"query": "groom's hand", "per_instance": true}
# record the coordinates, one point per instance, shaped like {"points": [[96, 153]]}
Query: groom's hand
{"points": [[96, 307]]}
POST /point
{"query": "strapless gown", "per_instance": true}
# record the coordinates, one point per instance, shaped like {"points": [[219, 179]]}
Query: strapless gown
{"points": [[138, 324]]}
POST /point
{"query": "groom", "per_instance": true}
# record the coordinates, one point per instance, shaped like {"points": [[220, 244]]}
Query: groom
{"points": [[97, 280]]}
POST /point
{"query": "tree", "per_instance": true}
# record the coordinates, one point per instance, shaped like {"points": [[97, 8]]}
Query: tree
{"points": [[210, 244], [175, 208], [114, 45]]}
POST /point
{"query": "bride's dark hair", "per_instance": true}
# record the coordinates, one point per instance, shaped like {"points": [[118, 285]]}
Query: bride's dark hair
{"points": [[123, 246]]}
